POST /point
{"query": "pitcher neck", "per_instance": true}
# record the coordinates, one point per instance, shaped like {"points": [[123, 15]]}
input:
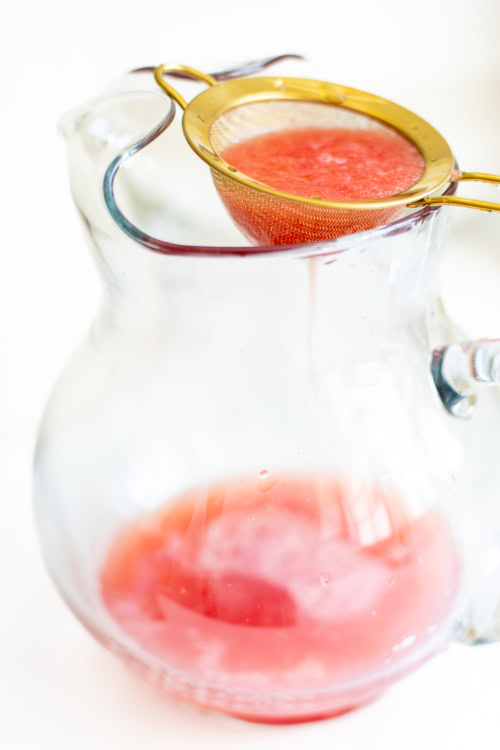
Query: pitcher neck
{"points": [[378, 289]]}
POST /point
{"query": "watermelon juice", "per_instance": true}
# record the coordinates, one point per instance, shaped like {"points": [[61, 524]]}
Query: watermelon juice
{"points": [[333, 164], [291, 587]]}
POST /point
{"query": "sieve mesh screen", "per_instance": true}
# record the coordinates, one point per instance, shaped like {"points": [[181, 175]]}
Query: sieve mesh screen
{"points": [[272, 219]]}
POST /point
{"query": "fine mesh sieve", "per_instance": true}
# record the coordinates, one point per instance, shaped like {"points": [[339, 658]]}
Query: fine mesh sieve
{"points": [[239, 110]]}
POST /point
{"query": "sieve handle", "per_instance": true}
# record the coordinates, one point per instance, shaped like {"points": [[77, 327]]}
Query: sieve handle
{"points": [[160, 71], [452, 200]]}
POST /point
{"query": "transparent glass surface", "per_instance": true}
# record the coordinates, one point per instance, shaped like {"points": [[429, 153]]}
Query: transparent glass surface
{"points": [[246, 484]]}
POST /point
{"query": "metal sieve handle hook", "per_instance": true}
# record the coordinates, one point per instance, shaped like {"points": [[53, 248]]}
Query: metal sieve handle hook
{"points": [[453, 200], [186, 70]]}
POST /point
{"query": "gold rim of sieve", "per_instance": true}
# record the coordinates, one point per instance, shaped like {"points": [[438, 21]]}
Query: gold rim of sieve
{"points": [[202, 112]]}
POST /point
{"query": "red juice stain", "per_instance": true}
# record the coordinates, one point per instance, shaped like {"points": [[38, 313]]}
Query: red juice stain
{"points": [[335, 164], [301, 584]]}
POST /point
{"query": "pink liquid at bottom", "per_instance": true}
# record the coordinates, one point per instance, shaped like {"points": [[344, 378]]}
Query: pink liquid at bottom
{"points": [[308, 596]]}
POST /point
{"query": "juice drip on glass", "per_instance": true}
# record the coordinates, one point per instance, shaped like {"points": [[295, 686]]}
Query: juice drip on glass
{"points": [[295, 584]]}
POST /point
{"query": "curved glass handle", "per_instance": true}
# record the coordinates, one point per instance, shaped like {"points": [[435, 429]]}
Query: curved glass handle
{"points": [[481, 623], [461, 371]]}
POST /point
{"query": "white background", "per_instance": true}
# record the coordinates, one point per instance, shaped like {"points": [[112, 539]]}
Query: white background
{"points": [[58, 689]]}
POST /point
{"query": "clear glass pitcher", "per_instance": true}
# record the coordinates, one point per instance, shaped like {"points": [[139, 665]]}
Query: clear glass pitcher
{"points": [[252, 481]]}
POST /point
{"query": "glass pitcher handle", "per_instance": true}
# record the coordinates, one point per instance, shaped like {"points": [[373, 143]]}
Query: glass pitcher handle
{"points": [[481, 622], [461, 371]]}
